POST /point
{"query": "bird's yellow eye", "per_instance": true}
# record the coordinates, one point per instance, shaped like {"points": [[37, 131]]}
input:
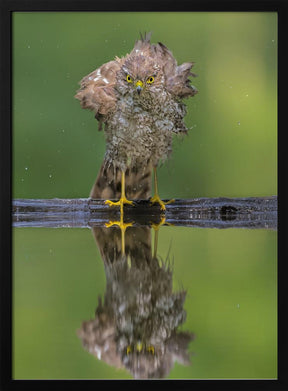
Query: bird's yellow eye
{"points": [[129, 79], [150, 349], [150, 80], [128, 349]]}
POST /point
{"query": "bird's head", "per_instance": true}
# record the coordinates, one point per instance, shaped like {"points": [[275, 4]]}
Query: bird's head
{"points": [[139, 76]]}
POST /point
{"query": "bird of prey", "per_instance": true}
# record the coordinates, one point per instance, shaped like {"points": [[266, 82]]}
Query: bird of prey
{"points": [[138, 99]]}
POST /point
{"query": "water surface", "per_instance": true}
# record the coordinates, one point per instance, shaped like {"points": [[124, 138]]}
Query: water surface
{"points": [[225, 325]]}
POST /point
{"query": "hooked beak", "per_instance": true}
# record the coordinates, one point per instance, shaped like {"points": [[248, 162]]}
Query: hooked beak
{"points": [[139, 346], [139, 86]]}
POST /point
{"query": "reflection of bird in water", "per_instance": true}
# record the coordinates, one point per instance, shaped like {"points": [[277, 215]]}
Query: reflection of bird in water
{"points": [[136, 325], [138, 99]]}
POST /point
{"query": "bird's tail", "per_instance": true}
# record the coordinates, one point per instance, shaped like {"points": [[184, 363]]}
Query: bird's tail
{"points": [[108, 183]]}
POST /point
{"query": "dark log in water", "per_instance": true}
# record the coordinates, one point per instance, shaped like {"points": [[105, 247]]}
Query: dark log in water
{"points": [[251, 212]]}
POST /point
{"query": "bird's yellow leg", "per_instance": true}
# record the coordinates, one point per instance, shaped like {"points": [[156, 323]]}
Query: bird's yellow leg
{"points": [[123, 200], [156, 197], [123, 226], [156, 228]]}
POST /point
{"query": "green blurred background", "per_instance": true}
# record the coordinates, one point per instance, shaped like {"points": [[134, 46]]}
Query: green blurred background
{"points": [[231, 150]]}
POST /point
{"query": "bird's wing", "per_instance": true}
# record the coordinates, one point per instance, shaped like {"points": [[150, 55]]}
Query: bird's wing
{"points": [[178, 82], [96, 91], [177, 76]]}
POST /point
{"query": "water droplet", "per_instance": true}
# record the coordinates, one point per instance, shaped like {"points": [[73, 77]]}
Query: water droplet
{"points": [[26, 168], [50, 175]]}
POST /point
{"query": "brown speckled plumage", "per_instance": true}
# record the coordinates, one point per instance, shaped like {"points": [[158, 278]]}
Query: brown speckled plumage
{"points": [[138, 126], [139, 305]]}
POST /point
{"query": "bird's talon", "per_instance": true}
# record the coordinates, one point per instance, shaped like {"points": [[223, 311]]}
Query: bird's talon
{"points": [[111, 203], [156, 199], [128, 202], [170, 201], [120, 224], [122, 201], [156, 227], [111, 223]]}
